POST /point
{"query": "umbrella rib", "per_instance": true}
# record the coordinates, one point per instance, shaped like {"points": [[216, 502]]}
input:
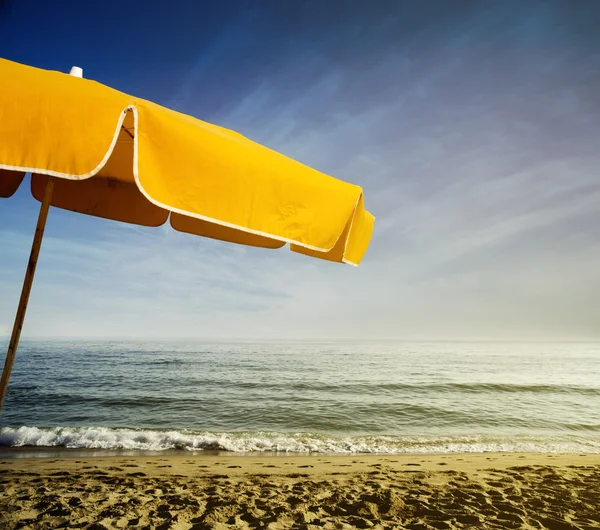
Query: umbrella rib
{"points": [[127, 131]]}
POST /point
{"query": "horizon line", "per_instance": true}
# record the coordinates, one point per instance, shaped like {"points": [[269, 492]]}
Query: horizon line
{"points": [[302, 339]]}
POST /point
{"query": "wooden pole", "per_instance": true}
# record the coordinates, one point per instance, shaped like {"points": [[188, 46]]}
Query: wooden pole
{"points": [[22, 309]]}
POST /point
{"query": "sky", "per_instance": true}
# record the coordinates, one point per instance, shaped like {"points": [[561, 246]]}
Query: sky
{"points": [[473, 128]]}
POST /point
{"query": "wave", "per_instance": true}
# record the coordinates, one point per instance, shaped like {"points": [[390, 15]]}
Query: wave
{"points": [[274, 442], [473, 388]]}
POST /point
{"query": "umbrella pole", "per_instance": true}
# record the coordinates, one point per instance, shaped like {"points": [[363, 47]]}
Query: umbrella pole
{"points": [[33, 258]]}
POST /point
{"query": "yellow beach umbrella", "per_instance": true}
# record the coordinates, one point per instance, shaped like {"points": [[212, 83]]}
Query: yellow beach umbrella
{"points": [[95, 150]]}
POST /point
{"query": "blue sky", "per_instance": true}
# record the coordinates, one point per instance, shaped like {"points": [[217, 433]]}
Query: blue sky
{"points": [[473, 127]]}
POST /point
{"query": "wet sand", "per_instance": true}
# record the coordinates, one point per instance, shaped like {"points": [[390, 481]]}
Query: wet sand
{"points": [[490, 490]]}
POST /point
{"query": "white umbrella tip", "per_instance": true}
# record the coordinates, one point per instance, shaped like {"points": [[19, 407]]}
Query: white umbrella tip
{"points": [[76, 71]]}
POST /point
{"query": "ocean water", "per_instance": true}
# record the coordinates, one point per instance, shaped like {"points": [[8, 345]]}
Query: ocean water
{"points": [[330, 397]]}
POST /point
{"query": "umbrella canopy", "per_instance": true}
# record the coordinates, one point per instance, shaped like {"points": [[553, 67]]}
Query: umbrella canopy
{"points": [[94, 150], [128, 159]]}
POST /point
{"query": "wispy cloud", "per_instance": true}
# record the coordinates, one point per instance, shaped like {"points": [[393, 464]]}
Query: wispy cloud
{"points": [[473, 129]]}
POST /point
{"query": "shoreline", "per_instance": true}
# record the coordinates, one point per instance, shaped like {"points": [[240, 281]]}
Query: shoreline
{"points": [[188, 491], [60, 452], [181, 459]]}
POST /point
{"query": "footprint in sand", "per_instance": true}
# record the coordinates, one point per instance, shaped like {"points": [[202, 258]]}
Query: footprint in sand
{"points": [[74, 502]]}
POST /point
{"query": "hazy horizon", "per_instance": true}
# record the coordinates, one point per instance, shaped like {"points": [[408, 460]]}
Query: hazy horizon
{"points": [[333, 340], [472, 127]]}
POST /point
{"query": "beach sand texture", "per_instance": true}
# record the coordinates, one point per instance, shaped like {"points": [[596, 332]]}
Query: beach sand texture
{"points": [[493, 490]]}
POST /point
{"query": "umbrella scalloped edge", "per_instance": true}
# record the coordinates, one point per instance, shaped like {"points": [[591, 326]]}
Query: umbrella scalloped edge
{"points": [[295, 245]]}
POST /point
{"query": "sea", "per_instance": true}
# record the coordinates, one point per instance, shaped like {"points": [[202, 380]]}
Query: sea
{"points": [[302, 397]]}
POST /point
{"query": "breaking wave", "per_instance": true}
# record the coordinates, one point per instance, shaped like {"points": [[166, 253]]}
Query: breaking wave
{"points": [[272, 442]]}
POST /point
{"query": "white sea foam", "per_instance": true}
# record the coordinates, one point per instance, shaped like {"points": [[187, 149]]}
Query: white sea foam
{"points": [[244, 442]]}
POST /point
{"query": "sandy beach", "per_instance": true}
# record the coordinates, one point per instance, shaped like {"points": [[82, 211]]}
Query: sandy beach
{"points": [[493, 490]]}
